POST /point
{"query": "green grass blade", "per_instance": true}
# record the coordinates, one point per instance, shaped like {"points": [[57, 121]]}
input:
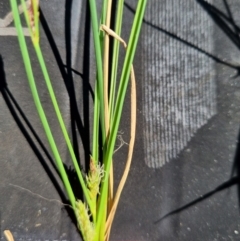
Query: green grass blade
{"points": [[54, 102], [28, 68], [116, 45], [95, 146], [118, 110], [61, 123], [98, 53], [134, 36]]}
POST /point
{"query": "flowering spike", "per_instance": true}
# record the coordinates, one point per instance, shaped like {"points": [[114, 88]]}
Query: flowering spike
{"points": [[94, 178], [33, 16], [84, 224]]}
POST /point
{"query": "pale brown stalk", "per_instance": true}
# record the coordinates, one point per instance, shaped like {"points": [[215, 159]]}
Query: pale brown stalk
{"points": [[131, 143], [8, 235]]}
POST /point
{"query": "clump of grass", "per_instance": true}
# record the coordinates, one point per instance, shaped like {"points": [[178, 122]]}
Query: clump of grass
{"points": [[95, 213]]}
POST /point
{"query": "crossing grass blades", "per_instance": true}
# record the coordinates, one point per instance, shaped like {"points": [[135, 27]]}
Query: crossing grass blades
{"points": [[95, 213]]}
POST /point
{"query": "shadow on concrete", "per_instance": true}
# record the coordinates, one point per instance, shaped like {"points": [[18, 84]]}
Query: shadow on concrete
{"points": [[189, 44], [22, 121], [233, 180], [82, 127], [230, 28]]}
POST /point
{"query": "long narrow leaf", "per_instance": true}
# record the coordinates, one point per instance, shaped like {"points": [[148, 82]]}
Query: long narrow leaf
{"points": [[28, 68], [98, 54], [115, 57], [119, 104], [61, 123]]}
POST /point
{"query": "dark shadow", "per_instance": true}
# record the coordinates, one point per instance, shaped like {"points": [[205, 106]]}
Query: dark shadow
{"points": [[66, 71], [226, 23], [61, 66], [72, 95], [225, 185], [81, 75], [234, 180], [111, 40], [236, 166], [231, 19], [75, 184], [85, 89], [67, 75], [191, 45], [17, 114], [232, 31]]}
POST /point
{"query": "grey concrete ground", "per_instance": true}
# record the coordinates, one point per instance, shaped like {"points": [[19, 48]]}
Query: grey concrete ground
{"points": [[181, 185]]}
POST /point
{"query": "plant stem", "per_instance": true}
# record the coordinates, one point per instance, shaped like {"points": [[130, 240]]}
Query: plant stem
{"points": [[98, 53], [135, 31], [28, 68], [62, 125], [95, 127], [115, 57]]}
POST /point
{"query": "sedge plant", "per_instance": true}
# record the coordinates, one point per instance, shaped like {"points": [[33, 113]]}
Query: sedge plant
{"points": [[95, 213]]}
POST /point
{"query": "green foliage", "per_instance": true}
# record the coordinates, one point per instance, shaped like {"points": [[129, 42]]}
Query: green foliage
{"points": [[91, 213]]}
